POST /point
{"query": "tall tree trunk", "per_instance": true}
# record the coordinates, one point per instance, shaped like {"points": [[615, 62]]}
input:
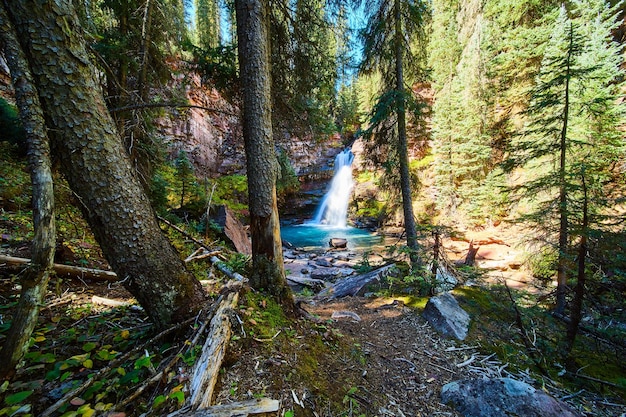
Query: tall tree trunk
{"points": [[579, 290], [262, 166], [84, 138], [35, 280], [146, 38], [561, 280], [405, 177]]}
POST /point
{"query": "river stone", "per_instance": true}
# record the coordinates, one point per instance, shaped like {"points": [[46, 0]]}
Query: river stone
{"points": [[502, 397], [329, 274], [338, 242], [323, 262], [446, 316]]}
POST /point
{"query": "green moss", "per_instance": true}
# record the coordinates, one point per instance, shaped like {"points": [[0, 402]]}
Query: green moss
{"points": [[265, 316], [15, 187], [418, 303]]}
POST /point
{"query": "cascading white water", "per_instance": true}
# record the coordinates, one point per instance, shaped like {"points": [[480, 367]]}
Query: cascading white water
{"points": [[333, 210]]}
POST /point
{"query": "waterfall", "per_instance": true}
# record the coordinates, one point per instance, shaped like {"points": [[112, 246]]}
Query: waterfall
{"points": [[333, 210]]}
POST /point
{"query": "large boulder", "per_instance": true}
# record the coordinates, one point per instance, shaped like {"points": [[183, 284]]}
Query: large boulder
{"points": [[338, 243], [446, 316], [330, 274], [502, 397]]}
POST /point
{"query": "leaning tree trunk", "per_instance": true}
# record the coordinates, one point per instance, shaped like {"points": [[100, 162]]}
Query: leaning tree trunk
{"points": [[267, 255], [84, 138], [405, 177], [35, 280]]}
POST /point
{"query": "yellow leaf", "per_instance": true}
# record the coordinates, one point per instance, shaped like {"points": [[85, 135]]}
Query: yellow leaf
{"points": [[124, 334], [88, 364]]}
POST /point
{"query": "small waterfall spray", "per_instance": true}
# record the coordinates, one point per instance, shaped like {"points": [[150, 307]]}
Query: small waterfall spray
{"points": [[333, 210]]}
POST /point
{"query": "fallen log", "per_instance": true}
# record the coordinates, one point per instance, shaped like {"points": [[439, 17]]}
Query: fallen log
{"points": [[355, 285], [206, 370], [244, 408], [65, 270]]}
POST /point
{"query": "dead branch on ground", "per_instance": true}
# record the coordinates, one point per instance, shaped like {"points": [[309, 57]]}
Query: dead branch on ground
{"points": [[65, 270]]}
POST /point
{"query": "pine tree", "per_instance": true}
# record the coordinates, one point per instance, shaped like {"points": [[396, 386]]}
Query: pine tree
{"points": [[461, 143], [391, 28], [598, 143], [207, 23], [261, 164], [133, 40], [444, 55], [314, 64], [572, 141]]}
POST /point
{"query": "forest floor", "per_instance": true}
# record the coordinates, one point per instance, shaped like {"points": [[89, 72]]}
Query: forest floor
{"points": [[372, 356]]}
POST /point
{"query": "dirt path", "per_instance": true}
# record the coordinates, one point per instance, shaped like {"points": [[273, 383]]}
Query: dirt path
{"points": [[390, 363]]}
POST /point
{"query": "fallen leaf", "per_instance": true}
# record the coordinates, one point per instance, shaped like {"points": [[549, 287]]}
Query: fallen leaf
{"points": [[77, 401]]}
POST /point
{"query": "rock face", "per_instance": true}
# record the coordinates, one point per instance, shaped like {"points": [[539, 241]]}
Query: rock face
{"points": [[502, 397], [446, 316]]}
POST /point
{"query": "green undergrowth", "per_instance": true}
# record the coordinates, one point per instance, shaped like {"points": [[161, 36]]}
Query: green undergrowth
{"points": [[76, 343], [495, 328], [303, 355]]}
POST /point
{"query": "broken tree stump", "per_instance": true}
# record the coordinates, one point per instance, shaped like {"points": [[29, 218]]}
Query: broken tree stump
{"points": [[470, 259]]}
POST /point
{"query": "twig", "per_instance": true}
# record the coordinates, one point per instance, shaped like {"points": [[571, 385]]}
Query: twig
{"points": [[467, 362], [590, 378], [157, 377], [453, 349], [576, 394], [443, 368], [269, 339], [66, 299], [407, 361], [187, 235], [195, 257]]}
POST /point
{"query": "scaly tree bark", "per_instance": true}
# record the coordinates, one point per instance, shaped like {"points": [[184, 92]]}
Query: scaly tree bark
{"points": [[84, 138], [267, 256], [35, 280]]}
